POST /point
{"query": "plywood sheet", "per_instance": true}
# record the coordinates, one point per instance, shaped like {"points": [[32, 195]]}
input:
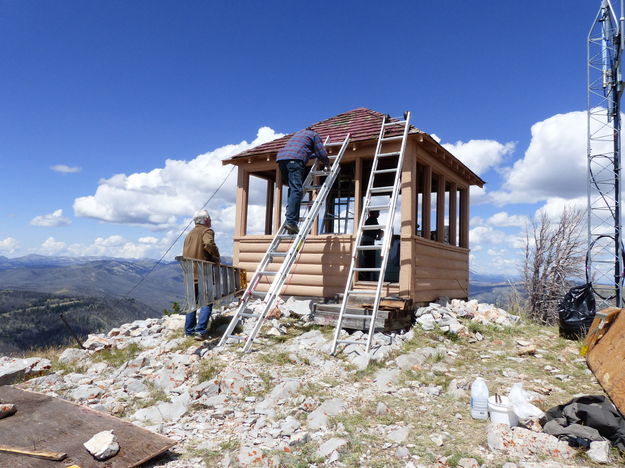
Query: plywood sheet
{"points": [[606, 359], [45, 423]]}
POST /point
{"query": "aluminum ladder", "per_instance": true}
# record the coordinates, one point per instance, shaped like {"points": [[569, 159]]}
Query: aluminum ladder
{"points": [[311, 207], [384, 248]]}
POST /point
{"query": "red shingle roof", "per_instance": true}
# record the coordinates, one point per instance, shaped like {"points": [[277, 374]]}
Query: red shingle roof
{"points": [[362, 123]]}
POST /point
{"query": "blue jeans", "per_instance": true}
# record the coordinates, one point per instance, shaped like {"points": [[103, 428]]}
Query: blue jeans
{"points": [[294, 171], [202, 321]]}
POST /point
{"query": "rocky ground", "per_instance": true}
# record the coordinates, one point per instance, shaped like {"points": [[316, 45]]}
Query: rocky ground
{"points": [[289, 403]]}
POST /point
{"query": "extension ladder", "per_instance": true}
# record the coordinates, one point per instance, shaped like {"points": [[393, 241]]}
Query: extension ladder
{"points": [[384, 248], [311, 207]]}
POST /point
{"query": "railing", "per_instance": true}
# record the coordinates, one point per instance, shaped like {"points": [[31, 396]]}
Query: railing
{"points": [[215, 282]]}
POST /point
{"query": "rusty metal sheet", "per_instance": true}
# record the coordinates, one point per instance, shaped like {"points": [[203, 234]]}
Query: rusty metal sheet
{"points": [[45, 423]]}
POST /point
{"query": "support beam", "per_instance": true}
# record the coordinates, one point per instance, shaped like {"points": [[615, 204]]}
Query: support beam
{"points": [[269, 206], [407, 228], [440, 209], [243, 186], [357, 192], [464, 217], [426, 209], [453, 213], [277, 205]]}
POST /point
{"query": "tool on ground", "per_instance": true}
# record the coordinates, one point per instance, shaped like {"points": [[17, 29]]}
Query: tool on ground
{"points": [[393, 162], [311, 208], [55, 456]]}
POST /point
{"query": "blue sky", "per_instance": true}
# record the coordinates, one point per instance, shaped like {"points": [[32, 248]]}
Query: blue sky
{"points": [[115, 114]]}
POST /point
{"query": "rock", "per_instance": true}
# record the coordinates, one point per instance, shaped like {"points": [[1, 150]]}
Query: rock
{"points": [[334, 444], [103, 445], [361, 361], [86, 392], [384, 378], [71, 355], [519, 442], [7, 409], [96, 343], [468, 463], [402, 452], [299, 438], [599, 451], [289, 426], [319, 418], [381, 409], [399, 435], [12, 369]]}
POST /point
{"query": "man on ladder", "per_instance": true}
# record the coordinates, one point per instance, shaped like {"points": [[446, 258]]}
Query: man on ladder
{"points": [[292, 159]]}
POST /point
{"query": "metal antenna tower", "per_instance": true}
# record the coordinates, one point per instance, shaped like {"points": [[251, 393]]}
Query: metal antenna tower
{"points": [[605, 86]]}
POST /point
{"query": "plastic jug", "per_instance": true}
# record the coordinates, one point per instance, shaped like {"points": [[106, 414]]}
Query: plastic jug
{"points": [[479, 399]]}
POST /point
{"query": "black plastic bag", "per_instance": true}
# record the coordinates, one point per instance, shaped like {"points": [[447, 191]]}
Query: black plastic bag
{"points": [[576, 311]]}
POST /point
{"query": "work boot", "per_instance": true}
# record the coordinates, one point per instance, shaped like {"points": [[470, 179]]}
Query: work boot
{"points": [[291, 228]]}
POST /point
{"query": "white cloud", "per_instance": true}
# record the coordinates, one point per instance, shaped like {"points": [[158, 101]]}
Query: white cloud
{"points": [[64, 169], [53, 219], [480, 155], [503, 219], [554, 164], [486, 235], [157, 198], [52, 247], [8, 245], [554, 206]]}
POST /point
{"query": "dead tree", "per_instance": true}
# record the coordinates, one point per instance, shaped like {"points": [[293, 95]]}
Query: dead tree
{"points": [[554, 258]]}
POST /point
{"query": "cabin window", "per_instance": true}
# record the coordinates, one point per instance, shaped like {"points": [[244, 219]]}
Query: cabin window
{"points": [[338, 215]]}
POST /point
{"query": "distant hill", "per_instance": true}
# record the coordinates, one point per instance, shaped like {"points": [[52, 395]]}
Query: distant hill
{"points": [[31, 320]]}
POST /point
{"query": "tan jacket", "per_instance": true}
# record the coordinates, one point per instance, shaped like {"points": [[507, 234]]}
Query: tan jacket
{"points": [[200, 244]]}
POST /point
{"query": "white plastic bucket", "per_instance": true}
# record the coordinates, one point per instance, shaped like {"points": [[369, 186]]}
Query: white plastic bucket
{"points": [[502, 413]]}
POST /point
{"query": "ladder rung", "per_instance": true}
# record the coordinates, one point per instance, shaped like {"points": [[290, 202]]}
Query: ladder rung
{"points": [[338, 143], [356, 292], [357, 316], [320, 173], [237, 337], [372, 227], [312, 187], [279, 254], [387, 155], [389, 188], [378, 207], [351, 342], [258, 293], [384, 171], [397, 122], [247, 314], [393, 138], [367, 269], [268, 273], [286, 236], [369, 247], [306, 202]]}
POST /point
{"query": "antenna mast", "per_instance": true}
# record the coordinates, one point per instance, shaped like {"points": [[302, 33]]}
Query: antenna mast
{"points": [[605, 86]]}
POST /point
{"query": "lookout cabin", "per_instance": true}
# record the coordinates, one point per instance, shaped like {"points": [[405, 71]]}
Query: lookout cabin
{"points": [[429, 254]]}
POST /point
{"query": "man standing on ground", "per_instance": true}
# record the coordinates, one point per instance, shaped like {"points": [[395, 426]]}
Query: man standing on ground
{"points": [[292, 159], [200, 245]]}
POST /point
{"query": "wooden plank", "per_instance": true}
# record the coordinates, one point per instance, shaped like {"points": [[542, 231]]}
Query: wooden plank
{"points": [[54, 456], [606, 358], [464, 217], [45, 423], [600, 325]]}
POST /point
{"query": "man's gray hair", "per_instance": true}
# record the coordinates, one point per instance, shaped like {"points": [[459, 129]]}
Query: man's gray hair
{"points": [[200, 216]]}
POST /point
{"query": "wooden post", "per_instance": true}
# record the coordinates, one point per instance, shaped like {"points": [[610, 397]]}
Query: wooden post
{"points": [[243, 185], [268, 206], [407, 222], [453, 213], [426, 209], [440, 209], [277, 204], [464, 217], [357, 193]]}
